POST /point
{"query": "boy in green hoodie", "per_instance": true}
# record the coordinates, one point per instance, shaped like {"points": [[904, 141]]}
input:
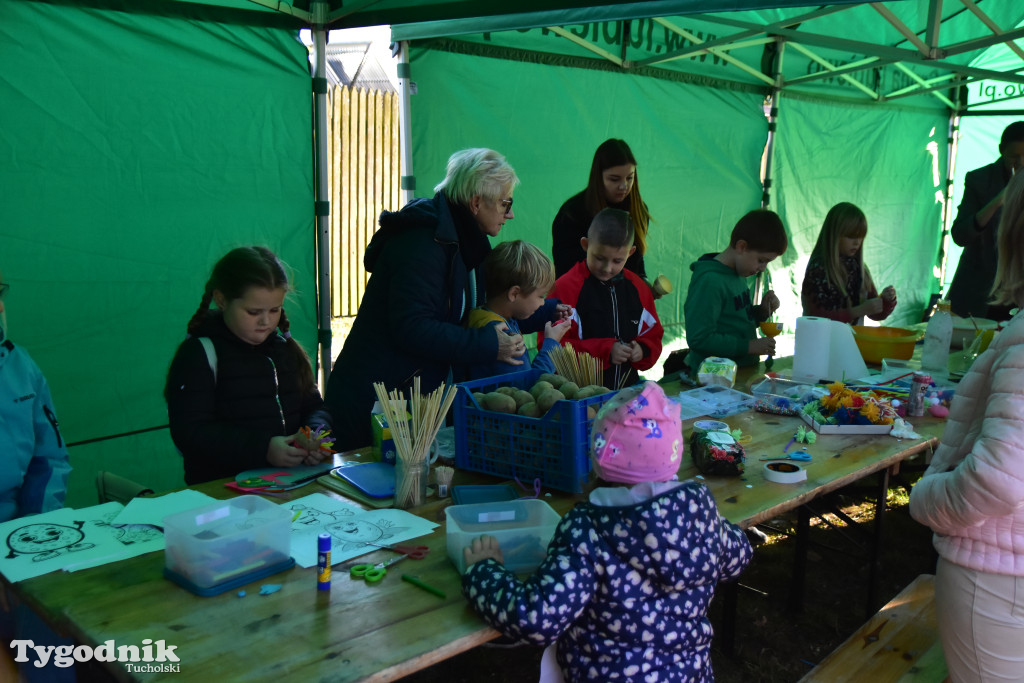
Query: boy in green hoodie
{"points": [[721, 319]]}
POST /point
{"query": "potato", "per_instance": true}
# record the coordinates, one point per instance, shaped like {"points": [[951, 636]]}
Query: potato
{"points": [[555, 380], [529, 410], [540, 387], [584, 392], [548, 399], [522, 397], [598, 389], [591, 412], [500, 403], [570, 389], [508, 391], [481, 399]]}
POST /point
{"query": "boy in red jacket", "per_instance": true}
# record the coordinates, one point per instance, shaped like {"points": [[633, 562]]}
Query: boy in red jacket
{"points": [[614, 318]]}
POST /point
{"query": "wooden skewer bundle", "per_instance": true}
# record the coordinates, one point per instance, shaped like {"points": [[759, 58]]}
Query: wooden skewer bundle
{"points": [[581, 368], [414, 435]]}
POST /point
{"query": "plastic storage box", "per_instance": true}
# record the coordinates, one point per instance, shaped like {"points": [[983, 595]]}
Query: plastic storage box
{"points": [[783, 396], [227, 544], [553, 448], [523, 529]]}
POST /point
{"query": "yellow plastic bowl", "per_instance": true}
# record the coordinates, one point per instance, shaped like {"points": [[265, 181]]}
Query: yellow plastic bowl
{"points": [[876, 343]]}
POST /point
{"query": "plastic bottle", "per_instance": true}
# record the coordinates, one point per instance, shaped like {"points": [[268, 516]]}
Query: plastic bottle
{"points": [[937, 336]]}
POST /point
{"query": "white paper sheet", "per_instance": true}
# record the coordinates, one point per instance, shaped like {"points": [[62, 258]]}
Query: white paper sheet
{"points": [[40, 544], [351, 528], [153, 510]]}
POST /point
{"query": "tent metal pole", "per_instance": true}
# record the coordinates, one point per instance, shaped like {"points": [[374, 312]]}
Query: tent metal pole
{"points": [[763, 281], [323, 211], [773, 118], [947, 209], [405, 87]]}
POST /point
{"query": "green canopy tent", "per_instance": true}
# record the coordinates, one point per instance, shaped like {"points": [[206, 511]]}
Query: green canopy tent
{"points": [[141, 140]]}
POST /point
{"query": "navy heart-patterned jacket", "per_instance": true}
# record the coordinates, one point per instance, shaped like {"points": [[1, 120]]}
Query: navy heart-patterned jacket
{"points": [[623, 590]]}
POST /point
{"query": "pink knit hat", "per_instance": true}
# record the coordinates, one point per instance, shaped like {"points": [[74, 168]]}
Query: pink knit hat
{"points": [[637, 436]]}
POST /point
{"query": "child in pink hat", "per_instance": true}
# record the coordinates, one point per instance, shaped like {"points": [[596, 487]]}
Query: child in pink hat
{"points": [[629, 574]]}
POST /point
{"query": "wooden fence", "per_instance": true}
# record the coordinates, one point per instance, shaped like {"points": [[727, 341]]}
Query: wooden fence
{"points": [[364, 179]]}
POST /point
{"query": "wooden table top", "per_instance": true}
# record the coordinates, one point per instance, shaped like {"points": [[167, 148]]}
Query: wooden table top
{"points": [[380, 632]]}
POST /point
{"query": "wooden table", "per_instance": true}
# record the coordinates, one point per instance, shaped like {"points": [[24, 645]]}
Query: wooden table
{"points": [[362, 632]]}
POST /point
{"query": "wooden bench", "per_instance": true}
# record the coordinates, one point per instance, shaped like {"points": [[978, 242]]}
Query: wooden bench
{"points": [[899, 644]]}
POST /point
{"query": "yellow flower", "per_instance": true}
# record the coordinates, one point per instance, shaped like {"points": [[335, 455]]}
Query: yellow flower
{"points": [[870, 411], [831, 402], [836, 388]]}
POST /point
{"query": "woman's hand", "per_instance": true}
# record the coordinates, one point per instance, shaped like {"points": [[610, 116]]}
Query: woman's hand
{"points": [[510, 346], [282, 453], [889, 294], [481, 549], [556, 330], [562, 312]]}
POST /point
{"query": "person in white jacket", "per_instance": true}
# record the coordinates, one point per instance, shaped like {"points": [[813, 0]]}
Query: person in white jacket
{"points": [[972, 495]]}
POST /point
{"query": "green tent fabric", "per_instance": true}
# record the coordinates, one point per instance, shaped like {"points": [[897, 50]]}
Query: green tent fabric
{"points": [[136, 150], [876, 158], [565, 114], [141, 140]]}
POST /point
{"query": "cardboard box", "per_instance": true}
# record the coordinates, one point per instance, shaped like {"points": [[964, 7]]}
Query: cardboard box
{"points": [[523, 529], [845, 429], [383, 443]]}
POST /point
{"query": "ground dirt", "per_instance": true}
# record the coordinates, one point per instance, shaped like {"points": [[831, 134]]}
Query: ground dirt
{"points": [[773, 644]]}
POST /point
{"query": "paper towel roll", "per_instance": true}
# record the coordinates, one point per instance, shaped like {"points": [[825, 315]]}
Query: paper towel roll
{"points": [[825, 349], [845, 361], [811, 349]]}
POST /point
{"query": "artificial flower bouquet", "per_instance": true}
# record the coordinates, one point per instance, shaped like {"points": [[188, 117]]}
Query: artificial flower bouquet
{"points": [[850, 406]]}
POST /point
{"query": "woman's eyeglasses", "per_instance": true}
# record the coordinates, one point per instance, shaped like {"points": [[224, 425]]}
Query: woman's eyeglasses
{"points": [[3, 290], [507, 203]]}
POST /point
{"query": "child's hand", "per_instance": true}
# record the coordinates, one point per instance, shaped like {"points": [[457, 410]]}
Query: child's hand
{"points": [[510, 346], [556, 330], [562, 312], [869, 307], [482, 548], [620, 353], [282, 453], [763, 346], [636, 351], [770, 302]]}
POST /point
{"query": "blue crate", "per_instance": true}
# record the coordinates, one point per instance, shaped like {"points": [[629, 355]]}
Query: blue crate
{"points": [[554, 448]]}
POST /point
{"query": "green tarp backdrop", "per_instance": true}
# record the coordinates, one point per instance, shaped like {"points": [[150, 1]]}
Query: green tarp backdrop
{"points": [[135, 150], [139, 141]]}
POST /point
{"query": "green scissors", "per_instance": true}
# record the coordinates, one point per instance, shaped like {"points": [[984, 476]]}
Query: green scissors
{"points": [[372, 573]]}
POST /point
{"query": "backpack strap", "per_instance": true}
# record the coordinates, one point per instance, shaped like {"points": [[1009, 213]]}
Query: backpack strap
{"points": [[211, 355]]}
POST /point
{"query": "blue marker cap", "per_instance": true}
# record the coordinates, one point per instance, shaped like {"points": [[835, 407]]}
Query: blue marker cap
{"points": [[323, 543]]}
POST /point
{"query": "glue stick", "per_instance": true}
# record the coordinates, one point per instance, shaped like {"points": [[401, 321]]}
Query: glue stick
{"points": [[323, 562]]}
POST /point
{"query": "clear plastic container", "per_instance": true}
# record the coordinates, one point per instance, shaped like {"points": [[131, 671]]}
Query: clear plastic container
{"points": [[228, 541], [523, 529], [937, 337]]}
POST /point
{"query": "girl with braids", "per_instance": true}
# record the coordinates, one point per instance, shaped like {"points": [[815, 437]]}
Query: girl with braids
{"points": [[240, 388], [837, 284], [613, 183]]}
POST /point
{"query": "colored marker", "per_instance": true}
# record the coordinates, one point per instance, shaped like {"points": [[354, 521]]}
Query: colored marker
{"points": [[323, 562], [425, 586]]}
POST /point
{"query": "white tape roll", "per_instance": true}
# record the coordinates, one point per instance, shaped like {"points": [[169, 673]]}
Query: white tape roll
{"points": [[710, 426], [784, 472]]}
